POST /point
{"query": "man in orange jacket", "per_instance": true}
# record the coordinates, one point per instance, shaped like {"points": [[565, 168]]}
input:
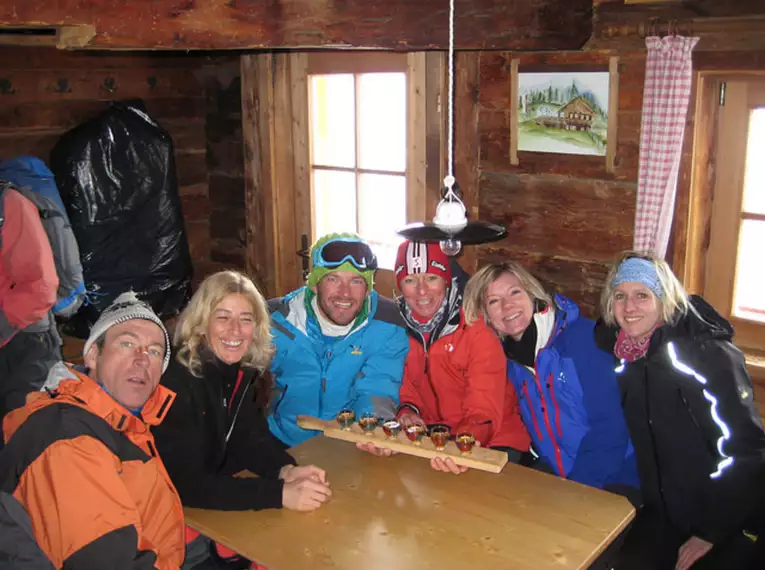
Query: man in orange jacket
{"points": [[81, 485]]}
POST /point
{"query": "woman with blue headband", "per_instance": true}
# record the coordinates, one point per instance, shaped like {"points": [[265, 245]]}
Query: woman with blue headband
{"points": [[698, 438]]}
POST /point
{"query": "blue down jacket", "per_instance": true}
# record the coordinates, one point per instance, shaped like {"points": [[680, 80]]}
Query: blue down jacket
{"points": [[571, 406]]}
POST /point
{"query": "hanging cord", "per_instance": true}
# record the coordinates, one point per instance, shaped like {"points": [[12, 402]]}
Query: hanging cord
{"points": [[449, 180]]}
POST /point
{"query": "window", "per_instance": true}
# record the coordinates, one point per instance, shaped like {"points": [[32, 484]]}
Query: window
{"points": [[748, 301], [735, 272], [358, 156], [371, 161]]}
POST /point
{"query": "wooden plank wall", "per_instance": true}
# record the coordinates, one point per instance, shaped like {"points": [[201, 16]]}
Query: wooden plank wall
{"points": [[567, 217], [44, 92], [225, 165]]}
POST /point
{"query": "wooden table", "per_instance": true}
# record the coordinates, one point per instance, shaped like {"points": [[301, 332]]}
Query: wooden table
{"points": [[396, 513]]}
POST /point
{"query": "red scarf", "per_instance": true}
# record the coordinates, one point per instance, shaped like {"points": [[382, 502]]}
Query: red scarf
{"points": [[629, 349]]}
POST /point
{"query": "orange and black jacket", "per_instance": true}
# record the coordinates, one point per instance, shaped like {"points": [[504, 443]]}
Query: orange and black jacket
{"points": [[87, 473]]}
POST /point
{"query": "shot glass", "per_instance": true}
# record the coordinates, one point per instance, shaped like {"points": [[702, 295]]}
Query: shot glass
{"points": [[415, 433], [368, 423], [439, 435], [346, 418], [465, 442], [391, 428]]}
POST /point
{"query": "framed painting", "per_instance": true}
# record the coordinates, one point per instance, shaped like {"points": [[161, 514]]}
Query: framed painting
{"points": [[565, 110]]}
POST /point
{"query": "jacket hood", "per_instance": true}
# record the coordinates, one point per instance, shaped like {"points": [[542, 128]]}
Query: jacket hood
{"points": [[702, 322], [566, 312]]}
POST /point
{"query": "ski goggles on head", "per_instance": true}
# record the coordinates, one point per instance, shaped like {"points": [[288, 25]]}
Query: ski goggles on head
{"points": [[336, 252]]}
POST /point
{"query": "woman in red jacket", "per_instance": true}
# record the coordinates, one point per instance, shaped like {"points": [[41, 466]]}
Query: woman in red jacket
{"points": [[455, 373]]}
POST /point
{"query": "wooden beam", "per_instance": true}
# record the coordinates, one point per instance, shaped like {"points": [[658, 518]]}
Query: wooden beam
{"points": [[416, 134], [400, 25], [466, 144], [719, 25], [62, 37], [259, 192]]}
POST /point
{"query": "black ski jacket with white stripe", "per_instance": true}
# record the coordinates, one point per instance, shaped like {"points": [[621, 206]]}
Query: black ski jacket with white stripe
{"points": [[698, 437]]}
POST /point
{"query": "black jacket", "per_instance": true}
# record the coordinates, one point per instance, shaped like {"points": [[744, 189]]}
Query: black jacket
{"points": [[698, 437], [192, 440]]}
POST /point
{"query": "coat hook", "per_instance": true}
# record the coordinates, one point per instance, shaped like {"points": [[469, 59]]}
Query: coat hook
{"points": [[62, 86], [110, 85], [6, 86]]}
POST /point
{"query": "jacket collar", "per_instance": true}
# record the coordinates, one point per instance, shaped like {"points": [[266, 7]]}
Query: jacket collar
{"points": [[87, 393], [298, 317]]}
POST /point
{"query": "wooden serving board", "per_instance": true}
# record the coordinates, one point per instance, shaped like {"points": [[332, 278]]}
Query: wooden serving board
{"points": [[479, 458]]}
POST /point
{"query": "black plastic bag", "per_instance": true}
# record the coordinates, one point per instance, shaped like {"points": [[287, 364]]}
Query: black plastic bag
{"points": [[116, 176]]}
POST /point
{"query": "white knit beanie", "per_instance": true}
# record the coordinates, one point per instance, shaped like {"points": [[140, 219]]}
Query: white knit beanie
{"points": [[124, 308]]}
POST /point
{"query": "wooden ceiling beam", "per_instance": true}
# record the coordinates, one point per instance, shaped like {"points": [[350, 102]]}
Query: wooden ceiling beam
{"points": [[402, 25], [721, 26]]}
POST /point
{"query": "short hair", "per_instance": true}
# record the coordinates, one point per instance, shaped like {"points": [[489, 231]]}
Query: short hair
{"points": [[474, 303], [192, 325], [674, 299]]}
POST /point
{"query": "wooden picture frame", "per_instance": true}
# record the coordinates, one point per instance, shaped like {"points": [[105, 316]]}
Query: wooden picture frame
{"points": [[611, 67]]}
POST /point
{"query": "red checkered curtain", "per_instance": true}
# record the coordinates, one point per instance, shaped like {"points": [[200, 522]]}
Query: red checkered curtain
{"points": [[667, 91]]}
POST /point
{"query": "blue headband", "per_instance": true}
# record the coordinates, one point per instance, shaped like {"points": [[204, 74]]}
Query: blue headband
{"points": [[637, 270]]}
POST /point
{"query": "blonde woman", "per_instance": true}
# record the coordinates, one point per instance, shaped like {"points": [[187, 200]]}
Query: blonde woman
{"points": [[217, 427], [689, 406], [566, 386]]}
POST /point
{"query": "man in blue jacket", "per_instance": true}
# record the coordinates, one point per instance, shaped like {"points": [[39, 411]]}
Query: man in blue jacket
{"points": [[338, 343]]}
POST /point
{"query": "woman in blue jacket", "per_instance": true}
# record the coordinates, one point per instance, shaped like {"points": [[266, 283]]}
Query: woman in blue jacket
{"points": [[566, 386]]}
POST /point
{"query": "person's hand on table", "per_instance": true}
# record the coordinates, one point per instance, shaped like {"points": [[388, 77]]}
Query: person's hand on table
{"points": [[374, 450], [447, 464], [290, 473], [305, 494]]}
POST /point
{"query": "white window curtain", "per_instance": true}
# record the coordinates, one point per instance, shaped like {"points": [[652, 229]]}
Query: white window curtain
{"points": [[668, 82]]}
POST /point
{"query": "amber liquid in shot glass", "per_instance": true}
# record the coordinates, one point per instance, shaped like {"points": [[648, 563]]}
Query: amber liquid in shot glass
{"points": [[391, 428], [346, 418], [439, 435], [465, 442], [415, 433], [368, 423]]}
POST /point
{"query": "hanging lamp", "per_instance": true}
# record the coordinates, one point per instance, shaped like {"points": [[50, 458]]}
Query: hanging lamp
{"points": [[450, 226]]}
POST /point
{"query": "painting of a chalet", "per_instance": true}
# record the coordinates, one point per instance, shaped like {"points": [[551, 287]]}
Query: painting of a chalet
{"points": [[563, 112]]}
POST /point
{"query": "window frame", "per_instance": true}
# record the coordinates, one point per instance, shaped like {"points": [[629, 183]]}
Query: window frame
{"points": [[275, 119], [716, 196], [325, 63]]}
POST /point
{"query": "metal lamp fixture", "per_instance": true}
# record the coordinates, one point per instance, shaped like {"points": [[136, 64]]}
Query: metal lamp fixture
{"points": [[450, 226]]}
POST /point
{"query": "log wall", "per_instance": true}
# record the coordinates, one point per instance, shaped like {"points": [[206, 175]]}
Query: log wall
{"points": [[44, 92]]}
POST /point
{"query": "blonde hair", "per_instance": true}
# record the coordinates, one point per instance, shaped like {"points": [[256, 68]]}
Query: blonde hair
{"points": [[191, 329], [674, 299], [474, 303]]}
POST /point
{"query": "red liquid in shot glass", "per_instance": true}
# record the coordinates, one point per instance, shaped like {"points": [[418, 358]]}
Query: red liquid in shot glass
{"points": [[415, 433], [391, 428], [465, 442], [439, 436]]}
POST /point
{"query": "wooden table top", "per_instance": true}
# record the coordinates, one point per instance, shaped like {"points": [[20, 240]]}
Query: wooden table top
{"points": [[398, 513]]}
